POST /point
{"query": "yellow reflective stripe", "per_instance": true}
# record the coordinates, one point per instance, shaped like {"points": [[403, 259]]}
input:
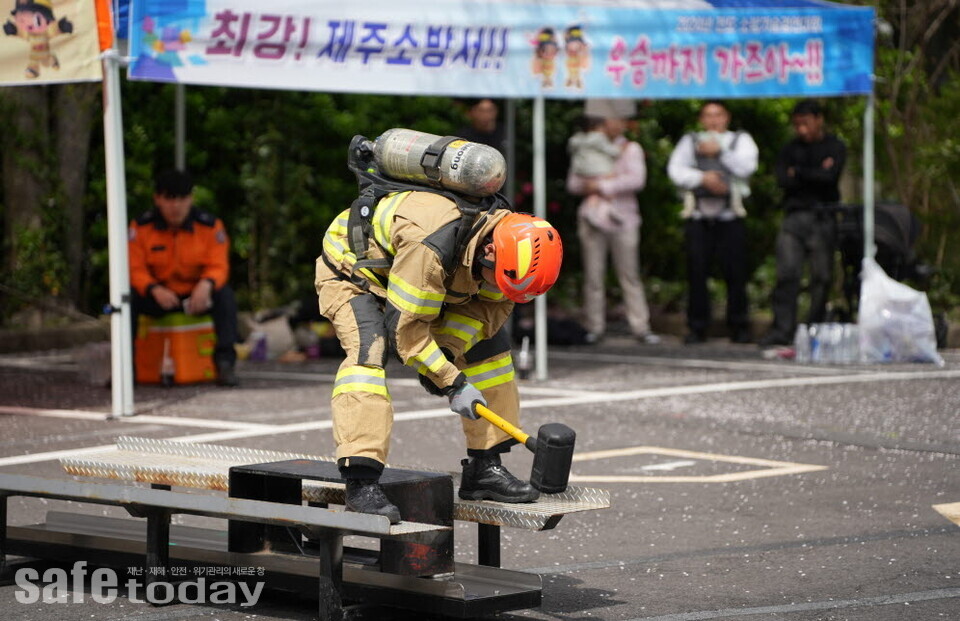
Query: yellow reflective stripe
{"points": [[490, 292], [334, 240], [406, 297], [340, 224], [334, 249], [431, 357], [383, 219], [464, 328], [361, 379], [524, 257], [491, 374], [371, 276]]}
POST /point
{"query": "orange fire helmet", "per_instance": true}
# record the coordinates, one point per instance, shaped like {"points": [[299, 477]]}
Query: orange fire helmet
{"points": [[528, 256]]}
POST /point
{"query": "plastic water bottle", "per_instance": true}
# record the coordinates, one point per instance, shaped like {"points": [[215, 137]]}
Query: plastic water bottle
{"points": [[167, 370], [523, 358], [815, 353], [828, 342], [851, 343], [801, 344]]}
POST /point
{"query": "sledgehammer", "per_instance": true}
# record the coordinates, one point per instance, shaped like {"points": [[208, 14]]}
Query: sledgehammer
{"points": [[552, 451]]}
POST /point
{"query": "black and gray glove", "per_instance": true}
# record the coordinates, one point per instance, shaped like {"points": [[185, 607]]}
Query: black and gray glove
{"points": [[463, 400], [430, 387], [65, 26], [9, 28]]}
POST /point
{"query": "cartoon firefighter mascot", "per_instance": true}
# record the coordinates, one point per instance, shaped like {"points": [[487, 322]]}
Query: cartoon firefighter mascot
{"points": [[34, 21]]}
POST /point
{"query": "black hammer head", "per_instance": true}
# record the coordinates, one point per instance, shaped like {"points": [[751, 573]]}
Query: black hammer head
{"points": [[554, 454]]}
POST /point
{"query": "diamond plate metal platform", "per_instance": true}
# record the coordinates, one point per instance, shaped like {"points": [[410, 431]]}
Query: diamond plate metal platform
{"points": [[206, 466]]}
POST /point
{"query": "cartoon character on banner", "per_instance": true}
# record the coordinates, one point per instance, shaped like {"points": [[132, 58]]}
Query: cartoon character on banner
{"points": [[34, 21], [545, 56], [578, 56]]}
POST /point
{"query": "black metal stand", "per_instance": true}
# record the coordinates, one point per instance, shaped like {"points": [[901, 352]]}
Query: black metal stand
{"points": [[255, 484], [158, 546], [420, 496], [421, 583], [488, 545], [330, 586]]}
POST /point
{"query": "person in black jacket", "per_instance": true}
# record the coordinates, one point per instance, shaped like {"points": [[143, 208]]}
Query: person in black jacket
{"points": [[484, 126], [808, 170]]}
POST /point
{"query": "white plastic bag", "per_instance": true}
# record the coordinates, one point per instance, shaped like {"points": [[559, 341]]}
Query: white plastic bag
{"points": [[896, 324]]}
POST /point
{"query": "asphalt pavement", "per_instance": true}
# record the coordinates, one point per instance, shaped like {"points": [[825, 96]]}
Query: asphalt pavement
{"points": [[742, 487]]}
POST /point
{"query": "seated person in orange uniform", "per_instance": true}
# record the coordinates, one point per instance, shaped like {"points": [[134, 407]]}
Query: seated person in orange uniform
{"points": [[179, 262]]}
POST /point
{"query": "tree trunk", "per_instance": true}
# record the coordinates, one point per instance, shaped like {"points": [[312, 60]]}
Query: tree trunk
{"points": [[25, 142], [74, 106]]}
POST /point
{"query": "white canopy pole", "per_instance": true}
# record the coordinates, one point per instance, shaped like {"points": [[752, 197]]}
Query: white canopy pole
{"points": [[540, 210], [120, 329], [869, 244]]}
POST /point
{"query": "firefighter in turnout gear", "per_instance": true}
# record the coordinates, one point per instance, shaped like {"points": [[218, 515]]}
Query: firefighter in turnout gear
{"points": [[435, 283]]}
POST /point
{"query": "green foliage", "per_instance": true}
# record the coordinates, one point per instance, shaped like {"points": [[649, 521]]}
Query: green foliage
{"points": [[272, 164], [41, 269], [35, 245]]}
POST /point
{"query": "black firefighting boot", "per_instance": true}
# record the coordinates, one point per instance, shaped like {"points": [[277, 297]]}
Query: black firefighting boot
{"points": [[366, 496], [486, 478]]}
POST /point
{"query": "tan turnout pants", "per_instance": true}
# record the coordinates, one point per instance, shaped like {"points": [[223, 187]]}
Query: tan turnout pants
{"points": [[362, 409]]}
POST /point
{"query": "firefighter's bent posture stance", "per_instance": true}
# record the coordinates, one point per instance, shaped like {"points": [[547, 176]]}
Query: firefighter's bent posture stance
{"points": [[439, 300]]}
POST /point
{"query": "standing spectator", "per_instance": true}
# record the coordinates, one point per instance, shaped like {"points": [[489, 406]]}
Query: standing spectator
{"points": [[808, 170], [592, 157], [179, 262], [484, 126], [620, 236], [711, 167]]}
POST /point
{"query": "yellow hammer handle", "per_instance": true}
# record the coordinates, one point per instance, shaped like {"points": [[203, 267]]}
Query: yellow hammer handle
{"points": [[495, 419]]}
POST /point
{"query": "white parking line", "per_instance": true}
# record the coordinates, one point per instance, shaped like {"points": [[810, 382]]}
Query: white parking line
{"points": [[141, 419], [695, 363], [233, 431], [951, 511], [403, 381], [723, 387], [766, 467], [669, 466]]}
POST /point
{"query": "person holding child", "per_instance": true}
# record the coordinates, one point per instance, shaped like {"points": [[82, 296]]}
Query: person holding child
{"points": [[608, 170], [711, 168]]}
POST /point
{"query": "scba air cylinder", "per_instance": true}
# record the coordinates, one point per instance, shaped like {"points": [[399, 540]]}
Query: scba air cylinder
{"points": [[448, 162]]}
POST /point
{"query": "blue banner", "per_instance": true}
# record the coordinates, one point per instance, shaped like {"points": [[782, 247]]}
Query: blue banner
{"points": [[632, 49]]}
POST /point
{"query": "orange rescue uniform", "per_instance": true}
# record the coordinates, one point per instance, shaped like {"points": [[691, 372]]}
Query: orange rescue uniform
{"points": [[178, 258]]}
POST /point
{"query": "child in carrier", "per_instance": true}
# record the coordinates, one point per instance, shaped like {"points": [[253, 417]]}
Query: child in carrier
{"points": [[593, 155]]}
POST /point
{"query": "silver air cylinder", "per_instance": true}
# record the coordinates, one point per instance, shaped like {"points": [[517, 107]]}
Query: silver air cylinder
{"points": [[451, 163]]}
